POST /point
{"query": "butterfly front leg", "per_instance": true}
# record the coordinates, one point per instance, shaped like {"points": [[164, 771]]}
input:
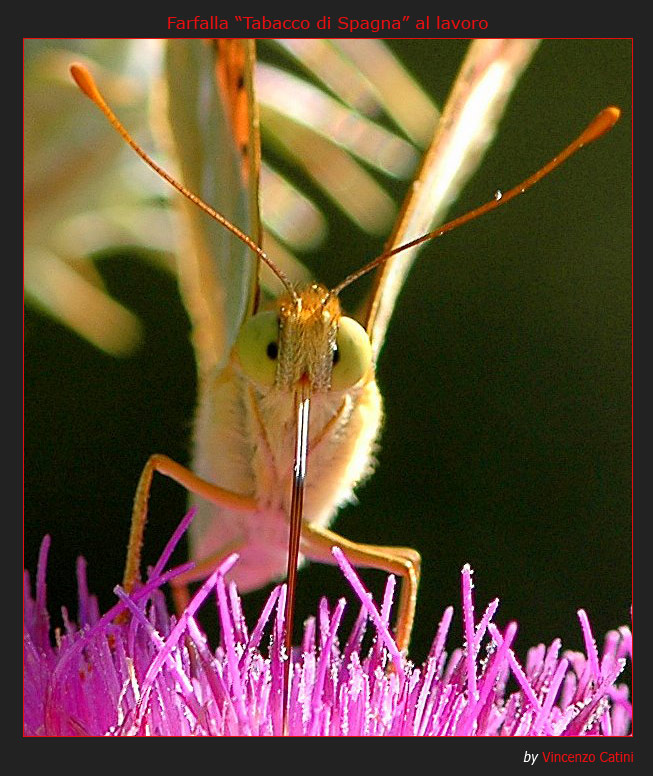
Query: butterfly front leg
{"points": [[405, 562], [200, 487]]}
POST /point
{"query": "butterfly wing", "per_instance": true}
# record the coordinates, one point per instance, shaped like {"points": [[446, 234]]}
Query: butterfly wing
{"points": [[214, 131], [467, 126]]}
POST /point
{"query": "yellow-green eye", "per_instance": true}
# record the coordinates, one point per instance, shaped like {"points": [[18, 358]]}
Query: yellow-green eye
{"points": [[257, 347], [352, 356]]}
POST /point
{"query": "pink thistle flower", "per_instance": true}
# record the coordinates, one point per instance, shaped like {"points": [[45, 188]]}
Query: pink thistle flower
{"points": [[153, 674]]}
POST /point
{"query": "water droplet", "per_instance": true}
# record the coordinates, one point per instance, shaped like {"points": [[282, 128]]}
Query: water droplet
{"points": [[498, 194]]}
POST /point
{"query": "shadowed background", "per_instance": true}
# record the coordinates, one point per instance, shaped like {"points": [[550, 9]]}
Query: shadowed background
{"points": [[506, 377]]}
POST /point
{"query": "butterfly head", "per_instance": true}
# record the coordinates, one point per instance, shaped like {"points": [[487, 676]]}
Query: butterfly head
{"points": [[306, 338]]}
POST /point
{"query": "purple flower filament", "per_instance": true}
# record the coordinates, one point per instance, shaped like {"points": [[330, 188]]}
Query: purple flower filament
{"points": [[154, 675]]}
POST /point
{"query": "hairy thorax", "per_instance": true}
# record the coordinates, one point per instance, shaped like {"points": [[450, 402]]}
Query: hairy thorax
{"points": [[245, 441]]}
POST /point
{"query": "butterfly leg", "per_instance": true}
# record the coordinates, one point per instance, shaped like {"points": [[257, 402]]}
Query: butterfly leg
{"points": [[196, 485], [402, 561]]}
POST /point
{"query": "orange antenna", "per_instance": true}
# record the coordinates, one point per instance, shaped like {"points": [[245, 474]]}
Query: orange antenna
{"points": [[84, 80], [601, 124]]}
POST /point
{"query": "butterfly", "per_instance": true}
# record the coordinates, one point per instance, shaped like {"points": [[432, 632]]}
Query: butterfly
{"points": [[224, 357]]}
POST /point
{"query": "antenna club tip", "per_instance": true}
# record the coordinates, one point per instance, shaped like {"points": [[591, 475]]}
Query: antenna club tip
{"points": [[610, 115], [603, 123], [84, 80]]}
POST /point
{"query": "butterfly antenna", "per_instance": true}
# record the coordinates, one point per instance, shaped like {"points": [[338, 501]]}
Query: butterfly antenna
{"points": [[601, 124], [84, 80]]}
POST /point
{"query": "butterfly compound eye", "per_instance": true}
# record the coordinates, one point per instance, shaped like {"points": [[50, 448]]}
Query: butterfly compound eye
{"points": [[353, 356], [257, 347]]}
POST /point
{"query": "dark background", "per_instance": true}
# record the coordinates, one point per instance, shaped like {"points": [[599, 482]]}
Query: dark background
{"points": [[506, 374]]}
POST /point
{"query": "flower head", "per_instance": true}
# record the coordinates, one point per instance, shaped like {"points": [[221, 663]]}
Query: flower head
{"points": [[154, 674]]}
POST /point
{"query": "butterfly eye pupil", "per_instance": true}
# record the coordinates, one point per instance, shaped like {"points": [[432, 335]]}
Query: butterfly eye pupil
{"points": [[336, 355], [272, 351]]}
